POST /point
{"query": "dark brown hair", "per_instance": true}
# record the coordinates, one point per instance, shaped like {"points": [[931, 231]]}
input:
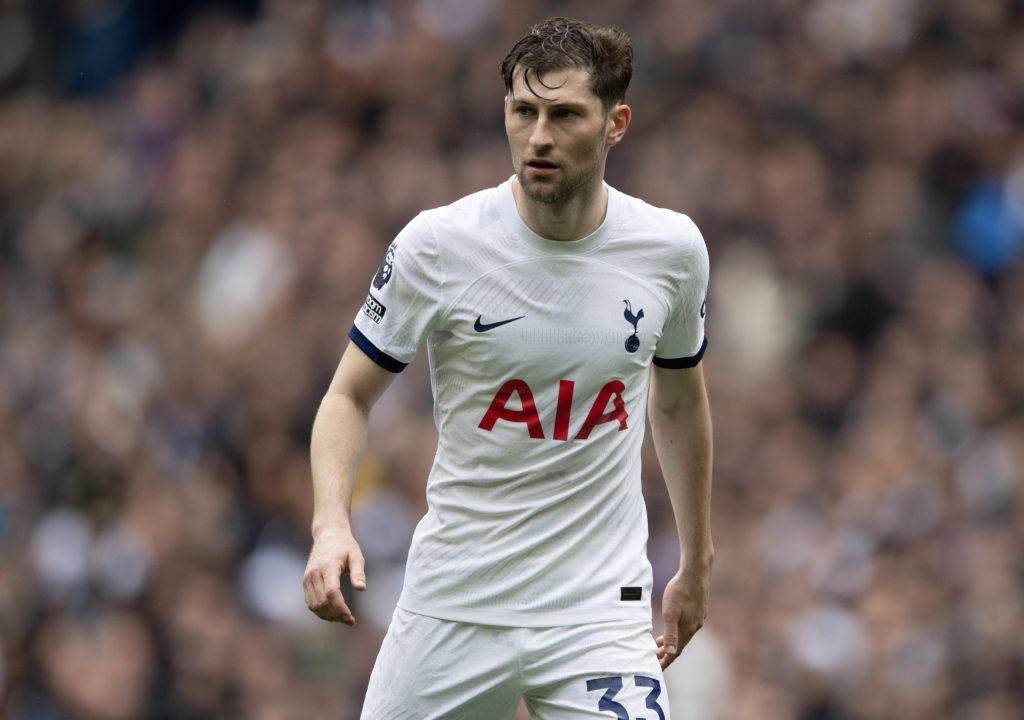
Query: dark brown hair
{"points": [[561, 43]]}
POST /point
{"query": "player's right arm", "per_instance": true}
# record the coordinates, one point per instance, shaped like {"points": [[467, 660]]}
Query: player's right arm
{"points": [[336, 450]]}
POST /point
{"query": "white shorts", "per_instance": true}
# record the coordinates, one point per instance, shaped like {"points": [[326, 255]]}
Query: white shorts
{"points": [[438, 669]]}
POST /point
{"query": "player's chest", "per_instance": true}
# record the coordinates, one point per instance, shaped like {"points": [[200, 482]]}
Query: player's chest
{"points": [[575, 312]]}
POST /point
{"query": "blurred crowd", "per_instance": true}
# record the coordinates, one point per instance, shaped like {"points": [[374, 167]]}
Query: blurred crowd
{"points": [[187, 230]]}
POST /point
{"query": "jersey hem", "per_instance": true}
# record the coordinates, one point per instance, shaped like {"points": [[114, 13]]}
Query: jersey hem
{"points": [[678, 363], [508, 617], [375, 353]]}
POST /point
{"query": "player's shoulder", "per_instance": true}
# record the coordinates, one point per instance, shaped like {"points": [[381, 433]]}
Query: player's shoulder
{"points": [[657, 225], [453, 223], [478, 209]]}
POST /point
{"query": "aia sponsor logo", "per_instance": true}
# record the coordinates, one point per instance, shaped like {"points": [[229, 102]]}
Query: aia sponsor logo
{"points": [[608, 407]]}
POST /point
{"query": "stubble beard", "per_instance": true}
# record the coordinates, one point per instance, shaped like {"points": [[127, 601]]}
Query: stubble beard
{"points": [[561, 191]]}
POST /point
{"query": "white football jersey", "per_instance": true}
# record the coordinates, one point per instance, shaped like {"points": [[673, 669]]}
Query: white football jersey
{"points": [[540, 354]]}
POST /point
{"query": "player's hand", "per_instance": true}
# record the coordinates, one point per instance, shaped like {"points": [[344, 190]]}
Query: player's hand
{"points": [[684, 610], [334, 552]]}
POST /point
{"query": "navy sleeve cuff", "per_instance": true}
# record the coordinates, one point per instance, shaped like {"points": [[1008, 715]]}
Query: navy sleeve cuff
{"points": [[375, 353], [687, 362]]}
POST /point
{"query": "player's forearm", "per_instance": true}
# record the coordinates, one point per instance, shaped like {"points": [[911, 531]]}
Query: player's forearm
{"points": [[683, 441], [336, 450]]}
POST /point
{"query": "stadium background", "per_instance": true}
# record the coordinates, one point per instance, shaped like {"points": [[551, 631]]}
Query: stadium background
{"points": [[194, 197]]}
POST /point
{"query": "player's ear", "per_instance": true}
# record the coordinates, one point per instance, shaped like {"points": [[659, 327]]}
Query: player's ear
{"points": [[618, 123]]}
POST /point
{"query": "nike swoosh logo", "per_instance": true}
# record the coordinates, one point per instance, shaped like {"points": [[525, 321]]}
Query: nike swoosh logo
{"points": [[484, 327]]}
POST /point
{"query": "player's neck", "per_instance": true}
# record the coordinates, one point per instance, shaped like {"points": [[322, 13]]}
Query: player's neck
{"points": [[574, 219]]}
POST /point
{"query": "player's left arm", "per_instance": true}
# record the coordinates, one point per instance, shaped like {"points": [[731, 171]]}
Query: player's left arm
{"points": [[680, 418]]}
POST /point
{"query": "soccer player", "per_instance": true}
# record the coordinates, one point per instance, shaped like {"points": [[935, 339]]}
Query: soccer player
{"points": [[556, 311]]}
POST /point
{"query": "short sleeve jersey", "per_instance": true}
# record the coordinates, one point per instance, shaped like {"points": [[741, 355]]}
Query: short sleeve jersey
{"points": [[540, 355]]}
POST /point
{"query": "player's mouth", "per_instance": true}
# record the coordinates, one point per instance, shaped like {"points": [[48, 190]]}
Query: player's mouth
{"points": [[541, 167]]}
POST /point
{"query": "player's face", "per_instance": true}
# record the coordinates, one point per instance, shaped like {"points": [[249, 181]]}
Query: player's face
{"points": [[559, 139]]}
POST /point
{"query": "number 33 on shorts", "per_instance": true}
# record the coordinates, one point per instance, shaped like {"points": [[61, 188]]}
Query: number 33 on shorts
{"points": [[612, 685]]}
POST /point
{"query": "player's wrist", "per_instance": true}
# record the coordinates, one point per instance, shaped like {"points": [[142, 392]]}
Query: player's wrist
{"points": [[697, 559], [320, 528]]}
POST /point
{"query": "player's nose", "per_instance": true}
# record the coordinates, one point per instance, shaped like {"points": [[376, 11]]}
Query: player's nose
{"points": [[541, 135]]}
